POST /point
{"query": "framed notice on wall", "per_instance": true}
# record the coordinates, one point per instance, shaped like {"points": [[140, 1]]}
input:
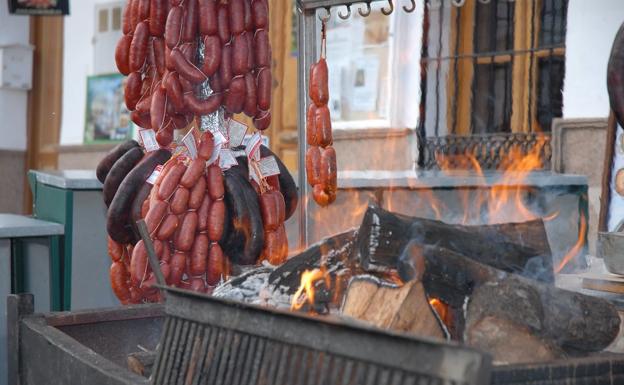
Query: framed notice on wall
{"points": [[107, 118], [39, 7]]}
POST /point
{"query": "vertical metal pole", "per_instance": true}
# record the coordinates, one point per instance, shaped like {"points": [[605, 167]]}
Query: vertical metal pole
{"points": [[306, 42]]}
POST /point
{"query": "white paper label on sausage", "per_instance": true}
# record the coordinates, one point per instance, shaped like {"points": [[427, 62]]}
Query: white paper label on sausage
{"points": [[268, 166], [237, 131], [148, 138], [220, 142], [191, 145], [152, 178], [227, 159], [253, 147]]}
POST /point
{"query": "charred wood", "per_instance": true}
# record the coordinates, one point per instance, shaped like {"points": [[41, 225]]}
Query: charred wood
{"points": [[520, 247]]}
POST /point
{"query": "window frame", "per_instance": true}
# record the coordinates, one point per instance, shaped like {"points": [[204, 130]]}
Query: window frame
{"points": [[524, 67]]}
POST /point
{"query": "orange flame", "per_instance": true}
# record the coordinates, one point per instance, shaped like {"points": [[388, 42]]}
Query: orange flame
{"points": [[440, 308], [306, 291], [577, 246]]}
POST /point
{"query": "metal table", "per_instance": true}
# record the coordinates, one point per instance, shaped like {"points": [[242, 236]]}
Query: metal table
{"points": [[29, 261]]}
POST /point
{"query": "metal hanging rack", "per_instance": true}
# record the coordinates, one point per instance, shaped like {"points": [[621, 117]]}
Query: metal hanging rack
{"points": [[307, 39]]}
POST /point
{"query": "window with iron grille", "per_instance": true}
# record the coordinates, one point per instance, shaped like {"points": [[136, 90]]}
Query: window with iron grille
{"points": [[492, 66]]}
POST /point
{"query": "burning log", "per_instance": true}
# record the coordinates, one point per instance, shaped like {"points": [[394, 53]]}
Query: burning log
{"points": [[389, 306], [482, 295], [520, 247]]}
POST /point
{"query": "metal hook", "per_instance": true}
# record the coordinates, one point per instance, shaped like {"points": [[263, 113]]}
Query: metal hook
{"points": [[343, 16], [388, 12], [326, 18], [411, 8], [459, 3], [368, 10]]}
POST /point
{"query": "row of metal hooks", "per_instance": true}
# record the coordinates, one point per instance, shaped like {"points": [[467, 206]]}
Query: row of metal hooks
{"points": [[385, 10], [364, 13]]}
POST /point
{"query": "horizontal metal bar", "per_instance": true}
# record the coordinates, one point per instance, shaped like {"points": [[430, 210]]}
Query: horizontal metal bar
{"points": [[546, 48], [315, 4], [107, 314]]}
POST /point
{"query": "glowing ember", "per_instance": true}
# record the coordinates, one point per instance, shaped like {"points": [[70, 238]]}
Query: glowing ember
{"points": [[440, 308], [306, 291]]}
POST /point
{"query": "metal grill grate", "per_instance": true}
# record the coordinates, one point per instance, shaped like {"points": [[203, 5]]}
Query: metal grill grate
{"points": [[211, 341]]}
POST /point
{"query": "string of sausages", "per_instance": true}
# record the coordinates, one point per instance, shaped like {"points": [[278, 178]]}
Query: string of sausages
{"points": [[321, 166], [273, 211], [158, 53], [185, 216]]}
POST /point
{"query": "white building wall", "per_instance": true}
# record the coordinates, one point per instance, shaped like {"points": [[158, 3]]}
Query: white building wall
{"points": [[78, 63], [13, 103], [591, 28]]}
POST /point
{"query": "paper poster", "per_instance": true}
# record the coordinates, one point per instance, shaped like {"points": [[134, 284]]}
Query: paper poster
{"points": [[365, 84]]}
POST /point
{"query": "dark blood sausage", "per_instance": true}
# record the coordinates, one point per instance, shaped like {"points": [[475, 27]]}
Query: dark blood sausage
{"points": [[208, 17], [262, 48], [287, 184], [313, 165], [118, 172], [138, 205], [223, 23], [174, 91], [132, 91], [138, 46], [245, 237], [615, 76], [262, 120], [234, 98], [250, 107], [113, 155], [322, 126], [122, 54], [120, 207], [212, 55], [237, 16], [158, 17], [240, 52], [215, 83], [157, 109], [173, 27], [158, 45], [319, 83], [189, 29], [260, 13], [126, 19], [202, 106], [225, 69], [186, 68], [264, 89]]}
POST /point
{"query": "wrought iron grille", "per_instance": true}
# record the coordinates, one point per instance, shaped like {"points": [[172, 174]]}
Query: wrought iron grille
{"points": [[488, 149], [490, 67]]}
